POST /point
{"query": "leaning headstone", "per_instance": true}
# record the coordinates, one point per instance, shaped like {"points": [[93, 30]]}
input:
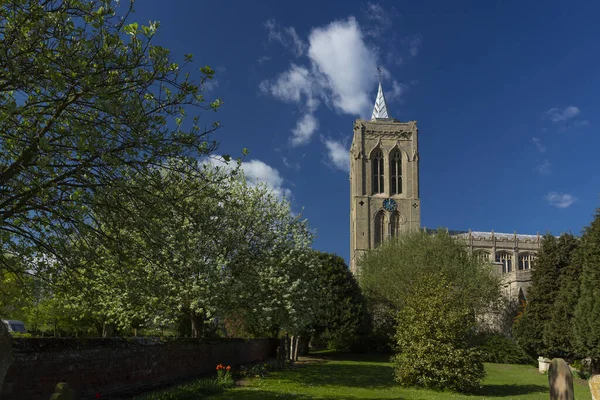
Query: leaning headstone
{"points": [[594, 383], [63, 392], [560, 380]]}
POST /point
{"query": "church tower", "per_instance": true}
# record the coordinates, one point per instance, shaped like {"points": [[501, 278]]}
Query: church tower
{"points": [[384, 180]]}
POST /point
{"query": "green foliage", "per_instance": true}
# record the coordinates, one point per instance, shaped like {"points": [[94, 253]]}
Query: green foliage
{"points": [[224, 378], [543, 327], [256, 370], [435, 338], [497, 348], [586, 320], [86, 102], [191, 391], [388, 275], [342, 315], [63, 392], [582, 369]]}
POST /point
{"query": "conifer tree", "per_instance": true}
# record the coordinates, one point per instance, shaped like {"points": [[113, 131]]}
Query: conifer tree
{"points": [[587, 314], [551, 261], [558, 333]]}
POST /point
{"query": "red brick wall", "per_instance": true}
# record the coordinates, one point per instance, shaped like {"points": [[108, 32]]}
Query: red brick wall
{"points": [[117, 365]]}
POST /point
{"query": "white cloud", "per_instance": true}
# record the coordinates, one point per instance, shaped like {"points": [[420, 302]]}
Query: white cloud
{"points": [[581, 124], [398, 89], [543, 167], [538, 143], [414, 44], [555, 115], [560, 200], [210, 84], [380, 18], [286, 36], [255, 171], [295, 85], [339, 52], [258, 171], [304, 130], [338, 155], [341, 73], [263, 59], [288, 164]]}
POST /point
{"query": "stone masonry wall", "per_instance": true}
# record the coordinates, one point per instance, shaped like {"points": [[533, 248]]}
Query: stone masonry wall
{"points": [[119, 365]]}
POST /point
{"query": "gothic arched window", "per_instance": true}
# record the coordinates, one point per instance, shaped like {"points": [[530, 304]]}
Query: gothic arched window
{"points": [[526, 260], [380, 228], [395, 172], [506, 259], [377, 171], [481, 255], [396, 223]]}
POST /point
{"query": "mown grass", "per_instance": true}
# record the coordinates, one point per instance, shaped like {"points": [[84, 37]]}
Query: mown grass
{"points": [[369, 377]]}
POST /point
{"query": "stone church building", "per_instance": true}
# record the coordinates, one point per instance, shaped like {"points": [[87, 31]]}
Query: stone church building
{"points": [[385, 201]]}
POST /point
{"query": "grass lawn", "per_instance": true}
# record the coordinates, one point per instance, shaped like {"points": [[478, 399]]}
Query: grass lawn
{"points": [[369, 377]]}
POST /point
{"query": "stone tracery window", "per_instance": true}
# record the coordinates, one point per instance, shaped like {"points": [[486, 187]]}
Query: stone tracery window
{"points": [[505, 258], [395, 223], [526, 260], [380, 228], [377, 171], [481, 255], [395, 172]]}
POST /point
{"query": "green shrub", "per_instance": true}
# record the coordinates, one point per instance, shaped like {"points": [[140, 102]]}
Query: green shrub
{"points": [[257, 370], [435, 339], [496, 348], [583, 368]]}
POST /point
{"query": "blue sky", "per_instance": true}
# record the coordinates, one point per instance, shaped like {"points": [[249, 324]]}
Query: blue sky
{"points": [[505, 96]]}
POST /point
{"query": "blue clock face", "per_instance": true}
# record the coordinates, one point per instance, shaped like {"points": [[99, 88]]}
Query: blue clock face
{"points": [[389, 204]]}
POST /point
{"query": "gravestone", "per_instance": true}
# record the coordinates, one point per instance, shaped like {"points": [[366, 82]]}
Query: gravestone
{"points": [[543, 364], [560, 380], [594, 383]]}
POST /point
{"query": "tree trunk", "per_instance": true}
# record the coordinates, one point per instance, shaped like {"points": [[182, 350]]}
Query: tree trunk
{"points": [[287, 347], [108, 330], [6, 357], [303, 347], [197, 325], [296, 348], [281, 355]]}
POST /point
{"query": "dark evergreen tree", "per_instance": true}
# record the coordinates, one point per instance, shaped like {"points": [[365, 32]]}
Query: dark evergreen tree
{"points": [[343, 316], [552, 260], [558, 333], [586, 322]]}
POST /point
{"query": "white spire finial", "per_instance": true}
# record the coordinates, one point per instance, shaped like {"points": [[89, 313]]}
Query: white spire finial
{"points": [[380, 107]]}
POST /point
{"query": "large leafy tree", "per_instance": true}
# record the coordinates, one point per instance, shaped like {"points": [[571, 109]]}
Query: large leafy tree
{"points": [[436, 291], [212, 245], [587, 314], [86, 100]]}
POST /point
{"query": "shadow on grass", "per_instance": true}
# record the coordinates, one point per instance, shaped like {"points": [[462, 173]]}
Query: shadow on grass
{"points": [[507, 390], [351, 375], [249, 394], [358, 357]]}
